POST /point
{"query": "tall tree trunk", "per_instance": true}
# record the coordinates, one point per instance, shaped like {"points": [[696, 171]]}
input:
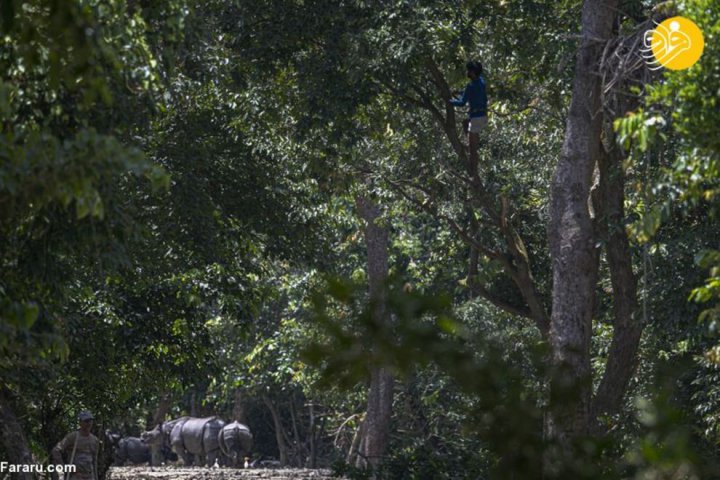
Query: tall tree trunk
{"points": [[13, 438], [353, 451], [279, 434], [156, 456], [376, 431], [571, 235], [377, 422], [193, 403], [163, 408], [312, 461], [299, 445], [238, 411]]}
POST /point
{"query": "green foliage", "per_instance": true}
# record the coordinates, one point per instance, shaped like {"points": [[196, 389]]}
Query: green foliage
{"points": [[500, 413], [683, 108], [177, 179], [59, 173], [680, 122], [424, 331]]}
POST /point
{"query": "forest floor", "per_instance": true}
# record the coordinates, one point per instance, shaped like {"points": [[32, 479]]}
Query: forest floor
{"points": [[198, 473]]}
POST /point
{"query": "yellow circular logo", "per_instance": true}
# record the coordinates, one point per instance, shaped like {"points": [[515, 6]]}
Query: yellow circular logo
{"points": [[676, 43]]}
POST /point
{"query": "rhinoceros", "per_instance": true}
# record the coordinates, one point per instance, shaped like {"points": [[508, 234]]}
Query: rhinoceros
{"points": [[132, 449], [190, 437], [159, 440], [235, 442], [106, 455]]}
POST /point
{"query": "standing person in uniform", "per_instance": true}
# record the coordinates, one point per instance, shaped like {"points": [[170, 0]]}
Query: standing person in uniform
{"points": [[476, 97], [79, 448]]}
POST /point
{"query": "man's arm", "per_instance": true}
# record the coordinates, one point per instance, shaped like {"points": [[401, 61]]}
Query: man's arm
{"points": [[459, 102], [95, 466], [59, 450]]}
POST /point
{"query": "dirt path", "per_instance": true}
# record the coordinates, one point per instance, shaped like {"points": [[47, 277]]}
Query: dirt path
{"points": [[182, 473]]}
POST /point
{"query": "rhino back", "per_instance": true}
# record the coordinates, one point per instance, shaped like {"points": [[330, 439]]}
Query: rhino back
{"points": [[137, 450], [168, 426], [237, 437], [121, 452], [210, 434], [193, 433], [176, 439]]}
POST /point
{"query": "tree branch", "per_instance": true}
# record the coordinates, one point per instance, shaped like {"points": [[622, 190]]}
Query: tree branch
{"points": [[516, 264], [501, 304], [516, 261], [627, 331], [480, 249]]}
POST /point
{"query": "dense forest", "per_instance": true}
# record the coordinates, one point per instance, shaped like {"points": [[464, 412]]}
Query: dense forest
{"points": [[267, 211]]}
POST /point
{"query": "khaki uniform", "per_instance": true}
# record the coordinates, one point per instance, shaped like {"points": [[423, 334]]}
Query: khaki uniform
{"points": [[85, 459]]}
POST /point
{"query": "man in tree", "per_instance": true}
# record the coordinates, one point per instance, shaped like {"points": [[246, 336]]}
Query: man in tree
{"points": [[79, 448], [476, 97]]}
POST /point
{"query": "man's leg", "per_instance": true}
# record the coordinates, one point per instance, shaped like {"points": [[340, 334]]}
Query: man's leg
{"points": [[473, 140]]}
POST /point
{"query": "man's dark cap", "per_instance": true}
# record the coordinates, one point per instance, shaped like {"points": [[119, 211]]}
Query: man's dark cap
{"points": [[474, 66], [85, 415]]}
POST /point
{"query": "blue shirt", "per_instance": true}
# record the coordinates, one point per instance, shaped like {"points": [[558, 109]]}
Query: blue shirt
{"points": [[475, 95]]}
